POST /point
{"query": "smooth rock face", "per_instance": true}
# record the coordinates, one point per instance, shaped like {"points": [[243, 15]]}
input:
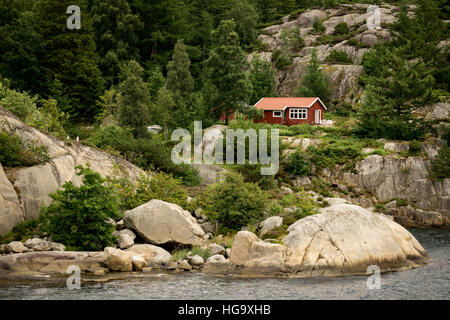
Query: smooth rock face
{"points": [[154, 255], [346, 239], [33, 185], [269, 224], [118, 260], [161, 222], [219, 267], [10, 210]]}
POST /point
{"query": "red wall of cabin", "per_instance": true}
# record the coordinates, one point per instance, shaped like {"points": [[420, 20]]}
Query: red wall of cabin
{"points": [[269, 118]]}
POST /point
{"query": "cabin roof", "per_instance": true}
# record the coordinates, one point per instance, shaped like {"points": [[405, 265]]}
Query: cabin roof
{"points": [[283, 103]]}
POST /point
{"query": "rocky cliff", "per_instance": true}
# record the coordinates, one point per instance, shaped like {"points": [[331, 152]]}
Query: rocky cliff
{"points": [[23, 190], [343, 76]]}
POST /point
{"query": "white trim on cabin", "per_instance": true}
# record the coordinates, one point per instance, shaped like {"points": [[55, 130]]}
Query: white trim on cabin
{"points": [[298, 113], [279, 116]]}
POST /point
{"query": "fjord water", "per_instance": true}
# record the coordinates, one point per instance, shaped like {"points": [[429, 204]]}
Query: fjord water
{"points": [[429, 282]]}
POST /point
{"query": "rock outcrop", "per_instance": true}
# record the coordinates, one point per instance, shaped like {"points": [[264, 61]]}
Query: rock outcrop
{"points": [[392, 177], [343, 239], [28, 188], [160, 222]]}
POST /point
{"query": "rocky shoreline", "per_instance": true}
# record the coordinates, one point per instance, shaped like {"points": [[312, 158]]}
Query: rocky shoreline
{"points": [[343, 239]]}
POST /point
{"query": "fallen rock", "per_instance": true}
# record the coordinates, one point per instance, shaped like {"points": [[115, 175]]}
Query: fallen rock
{"points": [[208, 227], [126, 238], [118, 260], [15, 247], [37, 244], [216, 257], [138, 263], [270, 224], [255, 256], [184, 265], [334, 201], [155, 256], [216, 249], [161, 222], [196, 261], [219, 267]]}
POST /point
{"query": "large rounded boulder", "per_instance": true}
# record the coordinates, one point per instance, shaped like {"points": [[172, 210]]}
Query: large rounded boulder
{"points": [[346, 239], [161, 222]]}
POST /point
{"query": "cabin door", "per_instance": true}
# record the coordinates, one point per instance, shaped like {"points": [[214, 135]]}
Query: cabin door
{"points": [[318, 116]]}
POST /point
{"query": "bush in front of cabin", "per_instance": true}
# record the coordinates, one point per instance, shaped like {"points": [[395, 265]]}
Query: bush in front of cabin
{"points": [[234, 203], [78, 216]]}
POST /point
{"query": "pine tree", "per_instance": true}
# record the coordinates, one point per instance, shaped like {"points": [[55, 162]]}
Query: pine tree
{"points": [[179, 78], [163, 109], [69, 56], [262, 79], [246, 18], [226, 69], [392, 96], [116, 36], [315, 82], [134, 99]]}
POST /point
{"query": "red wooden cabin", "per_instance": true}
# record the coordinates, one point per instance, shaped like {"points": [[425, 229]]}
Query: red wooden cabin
{"points": [[290, 111]]}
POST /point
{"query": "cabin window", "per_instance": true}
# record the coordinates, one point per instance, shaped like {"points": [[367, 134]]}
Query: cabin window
{"points": [[298, 113], [277, 114]]}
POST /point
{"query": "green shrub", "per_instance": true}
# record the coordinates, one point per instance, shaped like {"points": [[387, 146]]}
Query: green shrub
{"points": [[352, 42], [440, 165], [341, 28], [276, 233], [402, 202], [78, 216], [297, 164], [334, 152], [14, 153], [235, 203], [19, 103], [291, 39], [415, 148], [23, 231], [338, 56], [281, 59], [318, 26]]}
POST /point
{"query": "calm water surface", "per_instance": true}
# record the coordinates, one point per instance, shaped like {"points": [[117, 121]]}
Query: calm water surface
{"points": [[429, 282]]}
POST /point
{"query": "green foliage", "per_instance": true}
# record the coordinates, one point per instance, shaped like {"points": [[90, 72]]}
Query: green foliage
{"points": [[394, 92], [341, 28], [304, 204], [318, 26], [69, 57], [21, 104], [276, 233], [337, 56], [78, 216], [440, 165], [226, 69], [315, 82], [163, 109], [235, 203], [244, 14], [14, 153], [282, 60], [116, 34], [297, 164], [179, 79], [334, 152], [49, 119], [108, 104], [134, 99], [415, 148], [291, 39], [23, 231], [262, 79]]}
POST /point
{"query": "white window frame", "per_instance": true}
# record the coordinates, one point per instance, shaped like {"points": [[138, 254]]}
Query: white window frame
{"points": [[275, 116], [298, 113]]}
